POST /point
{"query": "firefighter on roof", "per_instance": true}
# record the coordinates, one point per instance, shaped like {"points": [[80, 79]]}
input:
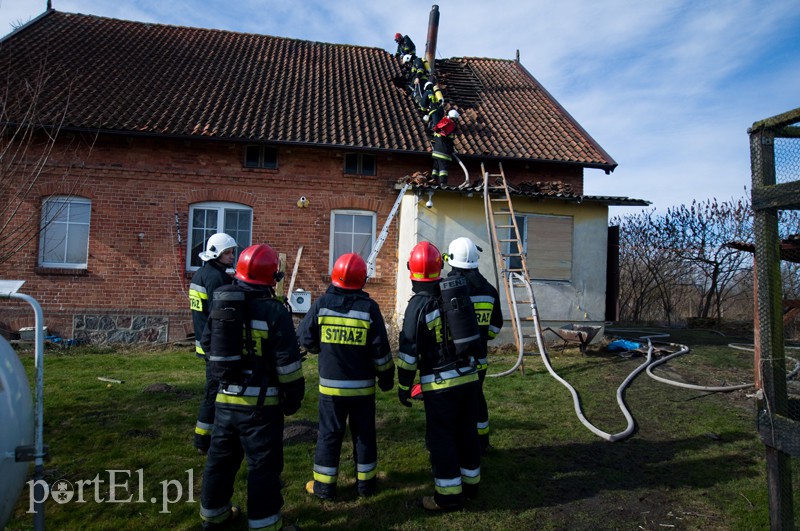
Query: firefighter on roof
{"points": [[346, 328], [405, 46], [252, 349], [448, 380], [463, 259], [432, 105], [219, 255], [443, 137]]}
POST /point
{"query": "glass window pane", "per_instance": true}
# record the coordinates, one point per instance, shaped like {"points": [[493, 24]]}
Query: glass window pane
{"points": [[362, 244], [251, 156], [351, 163], [367, 165], [79, 212], [362, 224], [270, 158], [57, 210], [343, 223], [55, 243], [77, 244], [341, 245]]}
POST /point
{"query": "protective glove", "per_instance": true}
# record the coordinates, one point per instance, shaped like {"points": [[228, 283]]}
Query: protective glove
{"points": [[386, 384], [426, 118], [404, 395]]}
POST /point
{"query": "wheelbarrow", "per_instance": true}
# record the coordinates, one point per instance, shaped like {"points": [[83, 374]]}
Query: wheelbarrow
{"points": [[576, 333]]}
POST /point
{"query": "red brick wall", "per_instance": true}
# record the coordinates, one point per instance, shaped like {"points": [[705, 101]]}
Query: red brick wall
{"points": [[137, 185]]}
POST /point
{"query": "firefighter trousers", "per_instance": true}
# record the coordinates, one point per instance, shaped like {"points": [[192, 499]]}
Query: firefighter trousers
{"points": [[334, 414], [205, 415], [451, 416], [483, 414], [256, 435]]}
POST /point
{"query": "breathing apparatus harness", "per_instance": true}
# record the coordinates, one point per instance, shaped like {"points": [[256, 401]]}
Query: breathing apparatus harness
{"points": [[460, 338], [232, 336]]}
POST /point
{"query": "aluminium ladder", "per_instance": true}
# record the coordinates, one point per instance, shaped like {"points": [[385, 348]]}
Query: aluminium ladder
{"points": [[373, 255], [505, 235]]}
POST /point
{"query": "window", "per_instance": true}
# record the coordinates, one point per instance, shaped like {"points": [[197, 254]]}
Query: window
{"points": [[359, 164], [209, 218], [352, 231], [261, 157], [64, 238], [547, 242]]}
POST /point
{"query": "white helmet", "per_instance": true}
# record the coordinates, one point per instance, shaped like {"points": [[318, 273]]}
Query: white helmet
{"points": [[406, 58], [216, 245], [428, 84], [463, 253], [453, 114]]}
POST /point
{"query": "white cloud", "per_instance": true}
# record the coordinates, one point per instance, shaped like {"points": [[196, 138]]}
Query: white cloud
{"points": [[668, 88]]}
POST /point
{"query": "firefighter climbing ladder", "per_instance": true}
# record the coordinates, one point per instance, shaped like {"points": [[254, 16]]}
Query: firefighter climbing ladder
{"points": [[509, 249]]}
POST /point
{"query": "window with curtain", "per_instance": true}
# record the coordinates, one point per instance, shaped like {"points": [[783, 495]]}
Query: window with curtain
{"points": [[209, 218], [352, 231], [64, 237]]}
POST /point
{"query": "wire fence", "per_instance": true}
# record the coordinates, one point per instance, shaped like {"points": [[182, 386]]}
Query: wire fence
{"points": [[775, 164]]}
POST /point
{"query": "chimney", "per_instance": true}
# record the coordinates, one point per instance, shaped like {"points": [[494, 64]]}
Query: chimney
{"points": [[433, 34]]}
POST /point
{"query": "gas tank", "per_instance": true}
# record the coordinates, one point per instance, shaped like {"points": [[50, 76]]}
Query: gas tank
{"points": [[16, 420]]}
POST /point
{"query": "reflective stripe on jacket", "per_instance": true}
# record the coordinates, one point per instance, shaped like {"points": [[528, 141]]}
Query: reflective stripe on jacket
{"points": [[347, 329]]}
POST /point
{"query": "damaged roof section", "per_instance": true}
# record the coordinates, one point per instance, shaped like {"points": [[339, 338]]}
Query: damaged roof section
{"points": [[507, 113]]}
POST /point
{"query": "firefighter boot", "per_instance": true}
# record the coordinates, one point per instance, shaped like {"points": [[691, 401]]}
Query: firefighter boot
{"points": [[312, 487], [230, 517], [429, 504]]}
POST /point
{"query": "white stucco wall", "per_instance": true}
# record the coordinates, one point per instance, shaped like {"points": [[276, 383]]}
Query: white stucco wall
{"points": [[581, 300]]}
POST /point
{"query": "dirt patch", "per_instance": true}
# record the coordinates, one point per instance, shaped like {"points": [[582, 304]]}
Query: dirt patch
{"points": [[300, 431]]}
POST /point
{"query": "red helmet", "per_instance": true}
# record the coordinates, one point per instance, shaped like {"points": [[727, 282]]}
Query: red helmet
{"points": [[397, 37], [258, 264], [425, 263], [349, 272]]}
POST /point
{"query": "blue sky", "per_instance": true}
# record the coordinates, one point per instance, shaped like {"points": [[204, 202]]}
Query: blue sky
{"points": [[668, 88]]}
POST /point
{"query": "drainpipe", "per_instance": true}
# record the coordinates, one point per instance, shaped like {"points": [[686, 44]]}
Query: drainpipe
{"points": [[433, 33]]}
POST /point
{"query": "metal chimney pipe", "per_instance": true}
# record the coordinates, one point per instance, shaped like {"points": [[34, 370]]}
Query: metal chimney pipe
{"points": [[433, 34]]}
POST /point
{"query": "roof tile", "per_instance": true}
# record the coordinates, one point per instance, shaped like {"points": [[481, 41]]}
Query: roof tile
{"points": [[116, 75]]}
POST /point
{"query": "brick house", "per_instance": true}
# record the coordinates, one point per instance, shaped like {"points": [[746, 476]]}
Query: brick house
{"points": [[165, 135]]}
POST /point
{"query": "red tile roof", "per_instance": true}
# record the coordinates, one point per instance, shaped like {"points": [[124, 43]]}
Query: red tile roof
{"points": [[121, 76], [507, 113]]}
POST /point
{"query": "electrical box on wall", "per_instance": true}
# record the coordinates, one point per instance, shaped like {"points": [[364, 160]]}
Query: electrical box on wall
{"points": [[300, 301]]}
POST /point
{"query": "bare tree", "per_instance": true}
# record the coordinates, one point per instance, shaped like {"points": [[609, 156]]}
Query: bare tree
{"points": [[698, 235], [648, 270], [677, 265], [32, 150]]}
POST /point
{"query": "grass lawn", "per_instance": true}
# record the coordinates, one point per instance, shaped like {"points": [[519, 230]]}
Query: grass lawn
{"points": [[694, 461]]}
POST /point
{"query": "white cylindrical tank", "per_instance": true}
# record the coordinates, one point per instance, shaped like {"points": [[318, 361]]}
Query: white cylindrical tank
{"points": [[16, 427]]}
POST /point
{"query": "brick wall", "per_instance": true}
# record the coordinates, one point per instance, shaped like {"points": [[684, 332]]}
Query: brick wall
{"points": [[137, 185]]}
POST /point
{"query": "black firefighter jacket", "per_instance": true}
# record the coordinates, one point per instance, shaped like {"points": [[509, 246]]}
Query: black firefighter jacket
{"points": [[347, 329], [265, 371]]}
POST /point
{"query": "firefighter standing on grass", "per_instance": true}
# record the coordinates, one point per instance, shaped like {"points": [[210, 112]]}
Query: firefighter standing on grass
{"points": [[252, 350], [448, 380], [346, 328], [463, 259], [219, 255]]}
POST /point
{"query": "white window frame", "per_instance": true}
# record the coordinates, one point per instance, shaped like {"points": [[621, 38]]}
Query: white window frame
{"points": [[72, 228], [221, 207], [363, 252]]}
